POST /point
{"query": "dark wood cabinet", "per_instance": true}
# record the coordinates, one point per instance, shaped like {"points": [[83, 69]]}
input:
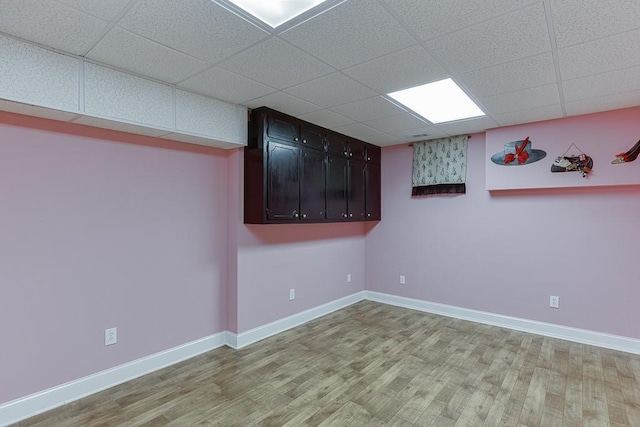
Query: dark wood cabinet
{"points": [[296, 172]]}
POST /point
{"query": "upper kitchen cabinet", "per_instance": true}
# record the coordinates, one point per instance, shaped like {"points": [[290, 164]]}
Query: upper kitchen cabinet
{"points": [[299, 172]]}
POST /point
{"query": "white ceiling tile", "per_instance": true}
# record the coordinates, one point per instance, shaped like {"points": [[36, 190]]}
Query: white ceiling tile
{"points": [[605, 84], [598, 56], [509, 37], [276, 63], [576, 21], [419, 134], [285, 103], [123, 49], [199, 28], [604, 103], [393, 123], [430, 19], [353, 32], [50, 23], [227, 86], [326, 118], [384, 140], [467, 126], [524, 73], [368, 109], [102, 9], [399, 70], [528, 116], [525, 99], [357, 130], [329, 91]]}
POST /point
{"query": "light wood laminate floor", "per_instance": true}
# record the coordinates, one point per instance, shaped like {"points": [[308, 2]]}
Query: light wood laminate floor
{"points": [[372, 364]]}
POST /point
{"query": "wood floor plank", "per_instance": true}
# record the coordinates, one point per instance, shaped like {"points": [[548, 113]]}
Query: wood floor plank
{"points": [[372, 364]]}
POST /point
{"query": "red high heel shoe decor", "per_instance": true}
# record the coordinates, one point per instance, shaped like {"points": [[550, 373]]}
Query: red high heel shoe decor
{"points": [[629, 156]]}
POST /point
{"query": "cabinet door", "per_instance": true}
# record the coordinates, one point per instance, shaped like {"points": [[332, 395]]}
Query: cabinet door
{"points": [[283, 127], [372, 200], [373, 154], [356, 191], [283, 187], [337, 144], [312, 136], [337, 188], [312, 185], [357, 150]]}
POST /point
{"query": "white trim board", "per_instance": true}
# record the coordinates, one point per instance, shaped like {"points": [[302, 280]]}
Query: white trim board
{"points": [[583, 336], [20, 409], [261, 332], [37, 403], [34, 404]]}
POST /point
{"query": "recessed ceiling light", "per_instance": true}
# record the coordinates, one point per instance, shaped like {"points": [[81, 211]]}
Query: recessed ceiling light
{"points": [[438, 102], [276, 12]]}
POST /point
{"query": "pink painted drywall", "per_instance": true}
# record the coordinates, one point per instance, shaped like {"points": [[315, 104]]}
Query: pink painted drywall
{"points": [[600, 135], [506, 253], [102, 229], [314, 259]]}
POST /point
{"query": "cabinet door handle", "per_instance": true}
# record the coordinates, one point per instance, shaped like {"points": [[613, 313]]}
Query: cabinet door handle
{"points": [[350, 154], [295, 138], [350, 215], [345, 153], [368, 158], [304, 141], [344, 215], [295, 215], [368, 215], [304, 215]]}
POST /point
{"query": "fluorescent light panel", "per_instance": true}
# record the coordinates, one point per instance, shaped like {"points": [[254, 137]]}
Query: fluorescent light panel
{"points": [[276, 12], [438, 102]]}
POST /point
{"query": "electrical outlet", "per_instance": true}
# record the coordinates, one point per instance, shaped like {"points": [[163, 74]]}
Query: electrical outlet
{"points": [[349, 278], [403, 280], [554, 302], [292, 294], [110, 336]]}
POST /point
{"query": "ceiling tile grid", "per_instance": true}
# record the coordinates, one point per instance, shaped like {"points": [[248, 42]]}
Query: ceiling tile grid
{"points": [[199, 28], [522, 60], [128, 51], [276, 63]]}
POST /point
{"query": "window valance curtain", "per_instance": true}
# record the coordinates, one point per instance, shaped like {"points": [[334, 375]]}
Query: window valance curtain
{"points": [[440, 166]]}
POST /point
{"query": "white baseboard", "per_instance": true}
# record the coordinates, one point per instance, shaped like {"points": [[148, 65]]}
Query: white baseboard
{"points": [[34, 404], [261, 332], [583, 336]]}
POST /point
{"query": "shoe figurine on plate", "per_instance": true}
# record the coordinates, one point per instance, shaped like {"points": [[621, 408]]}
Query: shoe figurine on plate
{"points": [[628, 156]]}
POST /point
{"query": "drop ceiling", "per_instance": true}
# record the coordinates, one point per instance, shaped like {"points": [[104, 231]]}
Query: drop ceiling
{"points": [[521, 61]]}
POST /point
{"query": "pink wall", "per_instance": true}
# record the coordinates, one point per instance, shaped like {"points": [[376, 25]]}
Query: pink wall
{"points": [[312, 258], [101, 229], [507, 252]]}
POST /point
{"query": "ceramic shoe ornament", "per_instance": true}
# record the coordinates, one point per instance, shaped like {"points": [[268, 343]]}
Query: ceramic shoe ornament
{"points": [[628, 156], [580, 163], [518, 153]]}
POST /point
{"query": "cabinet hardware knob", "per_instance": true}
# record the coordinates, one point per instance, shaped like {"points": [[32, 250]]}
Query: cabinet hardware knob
{"points": [[368, 158], [350, 215], [350, 154], [295, 215], [344, 215], [295, 138], [304, 141], [368, 215], [304, 215], [345, 153]]}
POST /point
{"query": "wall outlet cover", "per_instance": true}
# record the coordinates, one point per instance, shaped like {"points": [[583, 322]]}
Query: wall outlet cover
{"points": [[110, 336]]}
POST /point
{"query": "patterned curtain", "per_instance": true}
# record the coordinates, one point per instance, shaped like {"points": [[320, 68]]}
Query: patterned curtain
{"points": [[440, 166]]}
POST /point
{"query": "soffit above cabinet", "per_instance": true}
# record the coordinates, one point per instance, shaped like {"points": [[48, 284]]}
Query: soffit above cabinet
{"points": [[43, 83]]}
